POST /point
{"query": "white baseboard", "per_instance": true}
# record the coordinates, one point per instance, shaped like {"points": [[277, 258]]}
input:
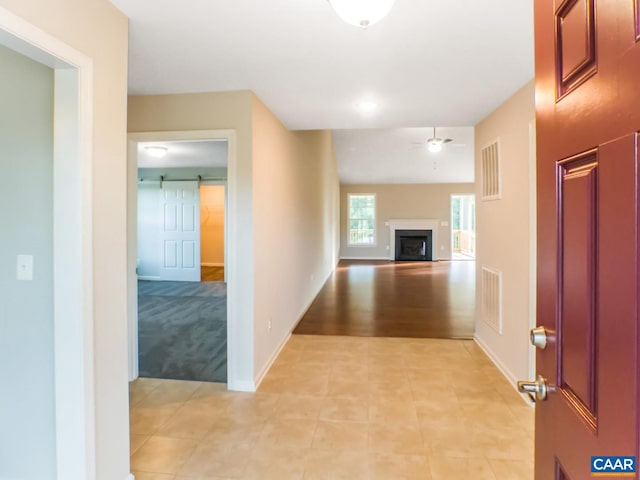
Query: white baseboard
{"points": [[365, 258], [209, 264], [265, 369], [241, 386], [131, 476], [147, 277], [511, 378]]}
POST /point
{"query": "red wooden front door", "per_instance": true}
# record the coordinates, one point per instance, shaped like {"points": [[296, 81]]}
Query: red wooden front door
{"points": [[588, 116]]}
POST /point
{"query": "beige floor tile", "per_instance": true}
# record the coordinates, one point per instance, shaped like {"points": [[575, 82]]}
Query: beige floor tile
{"points": [[153, 476], [252, 407], [452, 438], [209, 460], [140, 388], [379, 373], [340, 436], [512, 470], [344, 410], [189, 424], [398, 467], [396, 438], [384, 410], [377, 360], [271, 463], [162, 455], [169, 395], [349, 372], [305, 407], [288, 433], [135, 442], [452, 468], [295, 385], [227, 432], [336, 465], [340, 408], [348, 389], [147, 421]]}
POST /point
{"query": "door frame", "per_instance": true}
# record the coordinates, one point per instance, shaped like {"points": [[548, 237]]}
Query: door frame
{"points": [[73, 243], [232, 237]]}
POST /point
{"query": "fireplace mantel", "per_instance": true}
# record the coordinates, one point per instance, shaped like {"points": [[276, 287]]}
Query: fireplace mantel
{"points": [[409, 224]]}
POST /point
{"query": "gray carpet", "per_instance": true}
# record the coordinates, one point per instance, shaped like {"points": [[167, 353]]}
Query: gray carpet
{"points": [[182, 330]]}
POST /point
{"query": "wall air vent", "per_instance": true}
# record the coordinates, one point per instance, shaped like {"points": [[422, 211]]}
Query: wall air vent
{"points": [[490, 167], [492, 298]]}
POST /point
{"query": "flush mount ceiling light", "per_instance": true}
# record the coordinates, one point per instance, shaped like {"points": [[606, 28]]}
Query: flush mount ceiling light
{"points": [[155, 151], [361, 13], [367, 107]]}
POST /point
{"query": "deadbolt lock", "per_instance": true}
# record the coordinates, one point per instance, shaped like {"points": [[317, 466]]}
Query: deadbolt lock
{"points": [[538, 337]]}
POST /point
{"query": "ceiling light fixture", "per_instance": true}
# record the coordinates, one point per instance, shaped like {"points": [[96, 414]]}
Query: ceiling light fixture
{"points": [[434, 147], [367, 107], [361, 13], [155, 151]]}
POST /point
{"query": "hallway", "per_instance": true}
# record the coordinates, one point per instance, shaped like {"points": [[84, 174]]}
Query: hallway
{"points": [[395, 299], [340, 407]]}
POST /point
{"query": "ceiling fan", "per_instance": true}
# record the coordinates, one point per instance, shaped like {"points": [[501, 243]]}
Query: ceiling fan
{"points": [[434, 144]]}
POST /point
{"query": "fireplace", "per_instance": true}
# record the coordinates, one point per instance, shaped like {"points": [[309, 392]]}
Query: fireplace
{"points": [[413, 245], [432, 225]]}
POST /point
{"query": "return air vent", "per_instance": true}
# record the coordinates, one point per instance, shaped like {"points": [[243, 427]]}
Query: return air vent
{"points": [[491, 171], [492, 298]]}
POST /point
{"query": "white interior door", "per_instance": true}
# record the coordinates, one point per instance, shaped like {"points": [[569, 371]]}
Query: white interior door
{"points": [[180, 231]]}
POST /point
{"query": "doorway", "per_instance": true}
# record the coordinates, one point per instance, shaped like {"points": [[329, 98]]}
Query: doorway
{"points": [[47, 354], [182, 317], [463, 227]]}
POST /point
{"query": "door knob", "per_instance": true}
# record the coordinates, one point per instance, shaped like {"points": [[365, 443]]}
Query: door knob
{"points": [[538, 390], [538, 337]]}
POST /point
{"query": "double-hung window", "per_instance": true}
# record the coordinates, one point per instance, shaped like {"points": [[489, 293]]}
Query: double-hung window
{"points": [[362, 219]]}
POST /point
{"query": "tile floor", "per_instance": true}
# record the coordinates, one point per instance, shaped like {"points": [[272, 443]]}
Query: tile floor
{"points": [[340, 408]]}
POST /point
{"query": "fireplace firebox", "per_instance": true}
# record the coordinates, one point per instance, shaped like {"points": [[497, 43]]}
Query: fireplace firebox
{"points": [[414, 245]]}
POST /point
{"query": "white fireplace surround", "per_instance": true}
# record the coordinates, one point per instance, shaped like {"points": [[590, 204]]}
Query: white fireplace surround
{"points": [[413, 225]]}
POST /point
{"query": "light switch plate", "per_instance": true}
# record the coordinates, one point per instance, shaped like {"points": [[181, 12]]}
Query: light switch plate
{"points": [[24, 267]]}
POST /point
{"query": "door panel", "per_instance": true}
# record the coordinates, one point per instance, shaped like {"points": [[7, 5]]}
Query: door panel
{"points": [[576, 321], [181, 231], [587, 66]]}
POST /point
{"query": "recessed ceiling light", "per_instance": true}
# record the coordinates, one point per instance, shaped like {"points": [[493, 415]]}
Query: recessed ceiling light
{"points": [[367, 107], [155, 151]]}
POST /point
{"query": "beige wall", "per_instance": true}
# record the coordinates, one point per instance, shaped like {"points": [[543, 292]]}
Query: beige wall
{"points": [[288, 199], [296, 198], [504, 232], [98, 30], [412, 201], [211, 111], [212, 225]]}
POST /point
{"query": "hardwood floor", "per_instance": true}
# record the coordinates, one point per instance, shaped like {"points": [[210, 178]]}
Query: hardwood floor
{"points": [[212, 274], [395, 299]]}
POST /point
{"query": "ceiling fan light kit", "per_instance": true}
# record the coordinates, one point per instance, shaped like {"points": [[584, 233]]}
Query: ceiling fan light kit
{"points": [[361, 13], [434, 144]]}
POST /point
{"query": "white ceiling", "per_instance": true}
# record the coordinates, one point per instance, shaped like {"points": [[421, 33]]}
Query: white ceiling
{"points": [[187, 154], [401, 156], [429, 62]]}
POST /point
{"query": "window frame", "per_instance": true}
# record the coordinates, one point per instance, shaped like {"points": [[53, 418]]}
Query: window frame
{"points": [[375, 220]]}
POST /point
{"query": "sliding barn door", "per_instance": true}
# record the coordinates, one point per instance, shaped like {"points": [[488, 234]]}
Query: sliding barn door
{"points": [[180, 232]]}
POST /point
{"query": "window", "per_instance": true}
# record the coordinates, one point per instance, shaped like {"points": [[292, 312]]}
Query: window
{"points": [[362, 219]]}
